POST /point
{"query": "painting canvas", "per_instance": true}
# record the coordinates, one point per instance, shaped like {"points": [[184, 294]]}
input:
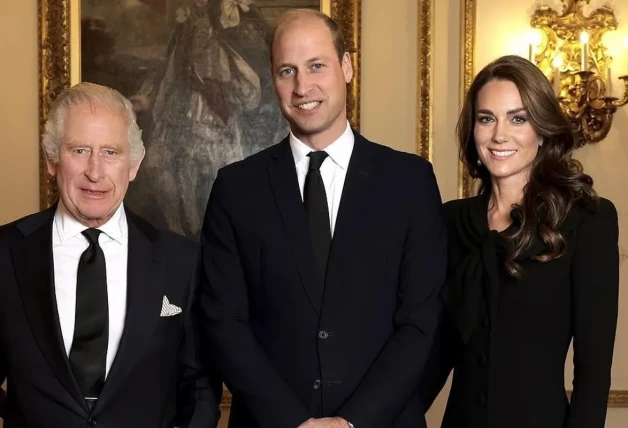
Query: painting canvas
{"points": [[198, 75]]}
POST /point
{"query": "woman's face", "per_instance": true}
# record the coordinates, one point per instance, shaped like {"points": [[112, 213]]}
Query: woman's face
{"points": [[505, 140]]}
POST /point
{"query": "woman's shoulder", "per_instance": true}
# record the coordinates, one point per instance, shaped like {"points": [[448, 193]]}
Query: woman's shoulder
{"points": [[466, 219], [455, 206], [606, 208], [598, 208], [597, 214]]}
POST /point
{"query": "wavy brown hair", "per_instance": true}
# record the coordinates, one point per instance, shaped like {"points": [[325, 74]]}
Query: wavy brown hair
{"points": [[556, 181]]}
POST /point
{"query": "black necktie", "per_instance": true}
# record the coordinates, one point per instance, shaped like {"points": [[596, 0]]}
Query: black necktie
{"points": [[88, 355], [315, 201]]}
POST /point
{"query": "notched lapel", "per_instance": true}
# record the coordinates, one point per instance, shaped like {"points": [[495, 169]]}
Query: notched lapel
{"points": [[284, 182], [34, 270], [356, 200], [145, 291]]}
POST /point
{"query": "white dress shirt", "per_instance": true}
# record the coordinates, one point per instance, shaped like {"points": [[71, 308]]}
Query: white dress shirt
{"points": [[67, 246], [333, 170]]}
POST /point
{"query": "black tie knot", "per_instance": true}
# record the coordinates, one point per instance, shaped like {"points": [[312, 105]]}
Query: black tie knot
{"points": [[92, 235], [316, 159]]}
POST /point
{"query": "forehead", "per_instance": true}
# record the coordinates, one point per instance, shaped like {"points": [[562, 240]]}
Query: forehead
{"points": [[94, 120], [499, 94], [303, 36]]}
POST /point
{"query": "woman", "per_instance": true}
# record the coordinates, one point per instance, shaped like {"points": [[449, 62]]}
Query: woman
{"points": [[534, 263]]}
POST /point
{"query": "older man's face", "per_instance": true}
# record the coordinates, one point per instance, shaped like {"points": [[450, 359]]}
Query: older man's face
{"points": [[94, 166]]}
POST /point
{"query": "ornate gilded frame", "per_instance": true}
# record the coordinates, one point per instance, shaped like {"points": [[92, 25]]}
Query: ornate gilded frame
{"points": [[424, 125], [467, 52], [55, 64], [616, 398]]}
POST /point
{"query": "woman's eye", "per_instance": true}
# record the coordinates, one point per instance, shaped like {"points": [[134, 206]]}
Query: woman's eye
{"points": [[484, 119]]}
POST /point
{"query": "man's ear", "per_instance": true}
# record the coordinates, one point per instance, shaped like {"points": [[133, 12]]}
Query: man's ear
{"points": [[135, 167], [347, 67], [51, 166]]}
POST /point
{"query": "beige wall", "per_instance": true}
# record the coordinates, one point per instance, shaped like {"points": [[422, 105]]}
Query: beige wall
{"points": [[18, 110], [389, 64], [389, 57]]}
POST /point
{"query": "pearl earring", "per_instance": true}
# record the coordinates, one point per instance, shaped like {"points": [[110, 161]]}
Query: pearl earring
{"points": [[541, 142], [479, 162]]}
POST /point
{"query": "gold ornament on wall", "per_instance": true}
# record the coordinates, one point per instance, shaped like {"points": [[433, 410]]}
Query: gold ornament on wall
{"points": [[573, 57]]}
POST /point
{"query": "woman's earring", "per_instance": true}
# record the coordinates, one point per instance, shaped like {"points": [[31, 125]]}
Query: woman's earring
{"points": [[479, 162], [541, 142]]}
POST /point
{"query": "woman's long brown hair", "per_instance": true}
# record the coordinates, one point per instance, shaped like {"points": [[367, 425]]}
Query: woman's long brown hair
{"points": [[556, 180]]}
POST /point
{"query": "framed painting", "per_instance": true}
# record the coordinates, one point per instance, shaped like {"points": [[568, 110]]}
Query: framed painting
{"points": [[198, 75]]}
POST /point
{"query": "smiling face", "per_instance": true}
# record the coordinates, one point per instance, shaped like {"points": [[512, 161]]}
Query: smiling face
{"points": [[94, 166], [505, 140], [310, 81]]}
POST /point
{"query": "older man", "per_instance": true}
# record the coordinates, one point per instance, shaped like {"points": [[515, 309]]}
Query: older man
{"points": [[94, 302], [323, 258]]}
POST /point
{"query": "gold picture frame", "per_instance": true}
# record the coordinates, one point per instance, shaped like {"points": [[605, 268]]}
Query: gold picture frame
{"points": [[424, 123], [59, 63], [466, 184]]}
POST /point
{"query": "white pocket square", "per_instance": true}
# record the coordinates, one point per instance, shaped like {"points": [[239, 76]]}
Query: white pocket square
{"points": [[168, 309]]}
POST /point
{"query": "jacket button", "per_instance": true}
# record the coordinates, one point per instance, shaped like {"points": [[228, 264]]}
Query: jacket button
{"points": [[323, 334], [316, 384], [481, 399], [92, 421], [483, 361], [485, 322]]}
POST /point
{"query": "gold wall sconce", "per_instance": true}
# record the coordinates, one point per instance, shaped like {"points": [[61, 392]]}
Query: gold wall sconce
{"points": [[571, 54]]}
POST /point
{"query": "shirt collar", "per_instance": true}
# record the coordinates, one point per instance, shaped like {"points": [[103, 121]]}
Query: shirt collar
{"points": [[339, 151], [68, 226]]}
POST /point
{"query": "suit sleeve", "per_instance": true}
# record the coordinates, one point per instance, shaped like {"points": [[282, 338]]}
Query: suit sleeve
{"points": [[595, 282], [448, 346], [396, 373], [247, 370], [444, 353], [199, 388]]}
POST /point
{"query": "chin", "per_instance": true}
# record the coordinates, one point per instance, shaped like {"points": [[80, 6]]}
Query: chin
{"points": [[96, 211], [311, 129]]}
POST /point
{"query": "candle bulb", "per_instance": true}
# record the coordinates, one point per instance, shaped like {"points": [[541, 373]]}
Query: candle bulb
{"points": [[609, 83], [534, 39], [584, 53], [626, 53], [557, 63]]}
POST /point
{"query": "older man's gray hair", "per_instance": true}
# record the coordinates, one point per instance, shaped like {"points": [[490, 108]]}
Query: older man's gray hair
{"points": [[93, 95]]}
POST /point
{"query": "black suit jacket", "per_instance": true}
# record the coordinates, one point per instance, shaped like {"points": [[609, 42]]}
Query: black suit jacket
{"points": [[289, 349], [154, 381], [507, 339]]}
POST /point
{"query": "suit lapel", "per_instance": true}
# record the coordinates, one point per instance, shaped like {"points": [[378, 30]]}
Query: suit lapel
{"points": [[285, 185], [34, 269], [355, 201], [145, 291]]}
